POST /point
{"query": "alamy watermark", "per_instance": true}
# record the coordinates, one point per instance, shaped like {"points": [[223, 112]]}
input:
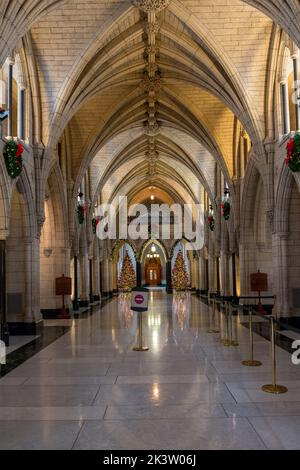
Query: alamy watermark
{"points": [[296, 354], [160, 221], [2, 353]]}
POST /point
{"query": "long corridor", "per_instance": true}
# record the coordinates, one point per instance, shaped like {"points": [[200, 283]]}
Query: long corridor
{"points": [[89, 390]]}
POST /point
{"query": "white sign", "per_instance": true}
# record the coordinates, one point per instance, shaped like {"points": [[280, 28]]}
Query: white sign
{"points": [[139, 300], [2, 353]]}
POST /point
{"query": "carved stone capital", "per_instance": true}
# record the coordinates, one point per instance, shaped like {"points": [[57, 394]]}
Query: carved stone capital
{"points": [[151, 5]]}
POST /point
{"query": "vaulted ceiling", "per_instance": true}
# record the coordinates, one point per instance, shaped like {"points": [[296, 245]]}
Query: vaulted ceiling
{"points": [[146, 96]]}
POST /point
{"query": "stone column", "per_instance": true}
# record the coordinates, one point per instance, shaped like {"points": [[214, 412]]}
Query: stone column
{"points": [[10, 96], [84, 276], [280, 243], [225, 273], [285, 107], [4, 334], [211, 272], [21, 112], [32, 280], [96, 286], [91, 280], [233, 269], [295, 58], [75, 300], [202, 273], [106, 278]]}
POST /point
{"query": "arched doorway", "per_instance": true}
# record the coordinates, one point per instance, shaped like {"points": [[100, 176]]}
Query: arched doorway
{"points": [[153, 263], [153, 271]]}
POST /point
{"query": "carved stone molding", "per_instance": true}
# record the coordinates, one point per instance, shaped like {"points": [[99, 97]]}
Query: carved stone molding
{"points": [[270, 216], [151, 5], [151, 84], [152, 28], [152, 130]]}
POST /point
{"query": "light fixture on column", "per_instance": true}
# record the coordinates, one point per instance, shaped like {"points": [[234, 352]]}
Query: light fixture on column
{"points": [[211, 218], [226, 204]]}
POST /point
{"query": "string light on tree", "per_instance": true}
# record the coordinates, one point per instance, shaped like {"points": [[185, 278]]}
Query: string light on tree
{"points": [[180, 275], [127, 279]]}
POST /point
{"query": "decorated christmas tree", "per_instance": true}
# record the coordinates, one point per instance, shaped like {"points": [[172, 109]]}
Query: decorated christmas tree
{"points": [[180, 275], [127, 279]]}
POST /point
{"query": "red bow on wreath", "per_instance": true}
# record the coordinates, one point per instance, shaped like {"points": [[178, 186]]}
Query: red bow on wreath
{"points": [[19, 151], [290, 147]]}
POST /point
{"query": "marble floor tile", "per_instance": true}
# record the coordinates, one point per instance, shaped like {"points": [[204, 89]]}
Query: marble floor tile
{"points": [[199, 411], [164, 393], [160, 368], [150, 379], [275, 408], [278, 433], [252, 392], [52, 413], [85, 380], [61, 370], [7, 380], [62, 395], [35, 435], [213, 433]]}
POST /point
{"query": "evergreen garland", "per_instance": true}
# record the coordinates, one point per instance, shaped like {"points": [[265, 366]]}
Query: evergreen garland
{"points": [[13, 158], [80, 213]]}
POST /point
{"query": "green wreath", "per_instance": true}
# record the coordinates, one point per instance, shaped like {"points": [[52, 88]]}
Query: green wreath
{"points": [[80, 214], [13, 158], [293, 154]]}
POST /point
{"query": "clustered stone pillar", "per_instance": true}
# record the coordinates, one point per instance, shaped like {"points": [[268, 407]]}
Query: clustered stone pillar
{"points": [[295, 58], [10, 96], [21, 112], [281, 260], [84, 277], [285, 107], [4, 336], [32, 281], [75, 300]]}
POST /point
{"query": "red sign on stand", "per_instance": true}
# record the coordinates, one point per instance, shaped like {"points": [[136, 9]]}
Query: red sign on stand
{"points": [[63, 288], [139, 299], [259, 282]]}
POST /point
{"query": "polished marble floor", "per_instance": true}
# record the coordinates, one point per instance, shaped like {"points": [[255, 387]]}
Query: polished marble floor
{"points": [[90, 390]]}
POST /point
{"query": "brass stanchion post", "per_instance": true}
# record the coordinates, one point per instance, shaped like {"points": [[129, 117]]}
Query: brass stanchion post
{"points": [[251, 362], [274, 387], [140, 346]]}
